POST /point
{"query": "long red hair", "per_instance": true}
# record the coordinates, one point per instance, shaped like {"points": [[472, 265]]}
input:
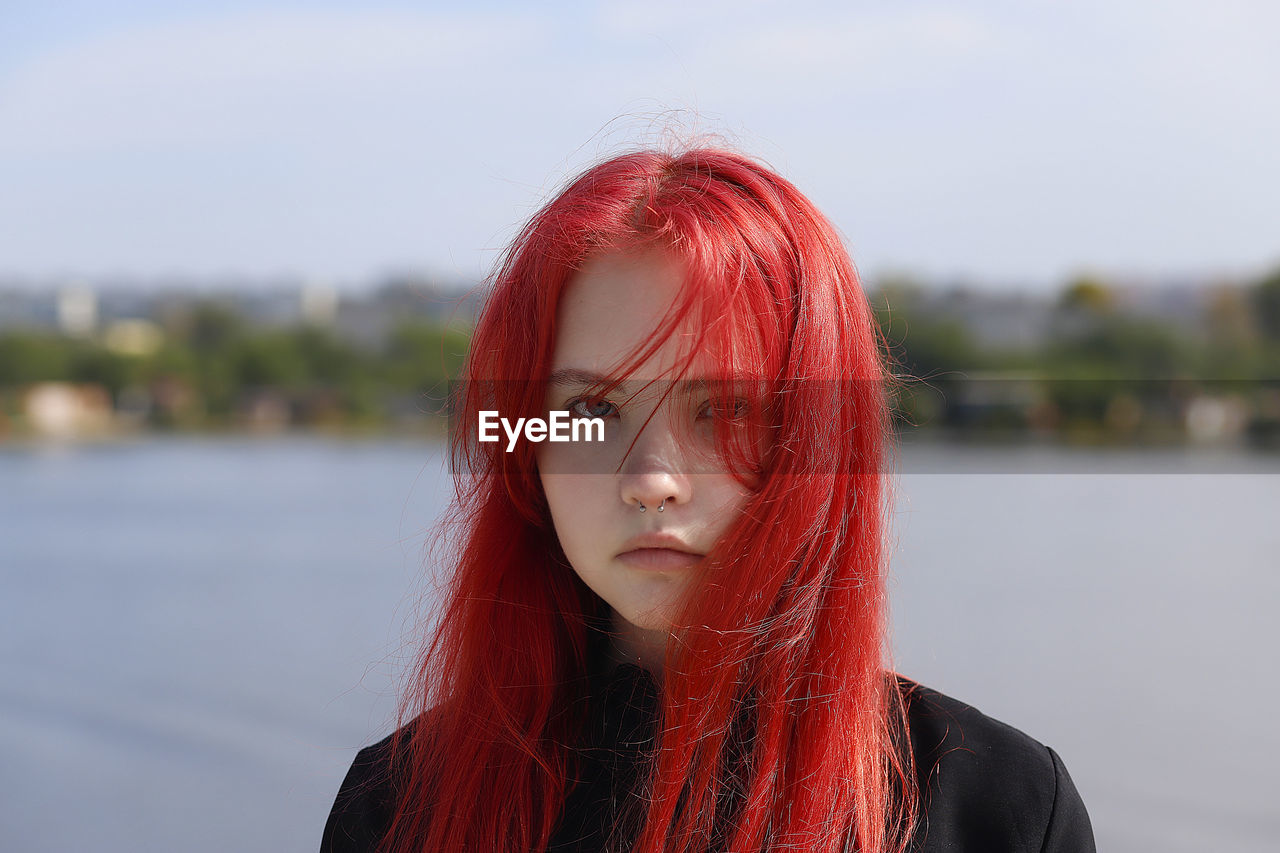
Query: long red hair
{"points": [[784, 634]]}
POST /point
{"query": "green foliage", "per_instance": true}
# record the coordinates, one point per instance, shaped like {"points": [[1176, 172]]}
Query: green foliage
{"points": [[1124, 348], [27, 357], [1266, 305], [272, 359], [95, 365], [1099, 370], [211, 328], [922, 347], [212, 363], [1088, 295], [420, 356], [420, 360]]}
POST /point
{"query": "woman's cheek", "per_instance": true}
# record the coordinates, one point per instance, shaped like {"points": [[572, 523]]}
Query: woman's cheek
{"points": [[598, 454]]}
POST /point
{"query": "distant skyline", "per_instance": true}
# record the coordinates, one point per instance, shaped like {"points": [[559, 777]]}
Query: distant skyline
{"points": [[1005, 144]]}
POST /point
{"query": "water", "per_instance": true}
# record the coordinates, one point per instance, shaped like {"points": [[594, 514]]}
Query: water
{"points": [[197, 634], [1127, 620]]}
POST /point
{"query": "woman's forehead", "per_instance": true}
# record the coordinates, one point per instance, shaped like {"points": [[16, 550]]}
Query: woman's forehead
{"points": [[620, 287], [612, 308], [570, 378], [622, 303]]}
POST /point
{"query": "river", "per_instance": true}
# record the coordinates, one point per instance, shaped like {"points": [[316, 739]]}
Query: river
{"points": [[198, 633]]}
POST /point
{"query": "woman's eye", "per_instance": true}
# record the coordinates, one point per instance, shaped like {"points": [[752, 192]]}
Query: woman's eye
{"points": [[729, 409], [591, 407]]}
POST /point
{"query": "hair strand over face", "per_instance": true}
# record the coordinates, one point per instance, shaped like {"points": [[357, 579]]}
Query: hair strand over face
{"points": [[781, 727]]}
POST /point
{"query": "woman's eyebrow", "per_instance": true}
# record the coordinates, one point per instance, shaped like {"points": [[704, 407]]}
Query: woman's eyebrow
{"points": [[573, 377]]}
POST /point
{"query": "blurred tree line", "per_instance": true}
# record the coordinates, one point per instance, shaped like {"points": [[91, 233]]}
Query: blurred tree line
{"points": [[210, 368], [1096, 369]]}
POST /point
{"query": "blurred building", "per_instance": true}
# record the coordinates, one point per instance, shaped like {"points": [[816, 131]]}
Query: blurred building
{"points": [[367, 318], [76, 310], [63, 410]]}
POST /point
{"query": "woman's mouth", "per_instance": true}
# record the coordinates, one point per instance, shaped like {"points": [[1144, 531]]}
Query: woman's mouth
{"points": [[659, 559]]}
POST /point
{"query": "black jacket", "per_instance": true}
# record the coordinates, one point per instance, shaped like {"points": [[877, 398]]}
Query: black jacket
{"points": [[985, 786]]}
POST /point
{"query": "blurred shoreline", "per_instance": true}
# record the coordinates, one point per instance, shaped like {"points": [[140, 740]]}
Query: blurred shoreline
{"points": [[913, 453], [1099, 363]]}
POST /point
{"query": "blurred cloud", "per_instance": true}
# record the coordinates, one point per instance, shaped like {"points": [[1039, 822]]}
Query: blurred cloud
{"points": [[1012, 142]]}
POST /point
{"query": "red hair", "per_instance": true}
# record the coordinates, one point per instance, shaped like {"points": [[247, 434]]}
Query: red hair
{"points": [[783, 637]]}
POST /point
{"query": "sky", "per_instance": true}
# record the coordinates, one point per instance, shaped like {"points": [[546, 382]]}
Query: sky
{"points": [[1001, 144]]}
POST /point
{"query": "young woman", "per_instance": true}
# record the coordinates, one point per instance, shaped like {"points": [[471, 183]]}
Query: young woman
{"points": [[670, 635]]}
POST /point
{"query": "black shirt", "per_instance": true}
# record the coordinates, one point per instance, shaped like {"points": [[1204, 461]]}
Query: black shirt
{"points": [[984, 786]]}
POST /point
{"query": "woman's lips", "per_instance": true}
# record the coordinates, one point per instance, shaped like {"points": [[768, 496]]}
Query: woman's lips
{"points": [[659, 559]]}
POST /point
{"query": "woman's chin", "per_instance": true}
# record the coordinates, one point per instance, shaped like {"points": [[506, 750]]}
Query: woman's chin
{"points": [[656, 620]]}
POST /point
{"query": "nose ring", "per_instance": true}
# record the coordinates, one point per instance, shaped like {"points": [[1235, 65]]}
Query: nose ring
{"points": [[661, 507]]}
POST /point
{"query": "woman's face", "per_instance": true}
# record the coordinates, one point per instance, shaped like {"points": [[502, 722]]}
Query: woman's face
{"points": [[640, 563]]}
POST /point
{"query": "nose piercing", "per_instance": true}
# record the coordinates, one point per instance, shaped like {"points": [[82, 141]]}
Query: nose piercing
{"points": [[661, 507]]}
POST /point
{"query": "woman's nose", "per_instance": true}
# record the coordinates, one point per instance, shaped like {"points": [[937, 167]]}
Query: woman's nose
{"points": [[652, 476]]}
